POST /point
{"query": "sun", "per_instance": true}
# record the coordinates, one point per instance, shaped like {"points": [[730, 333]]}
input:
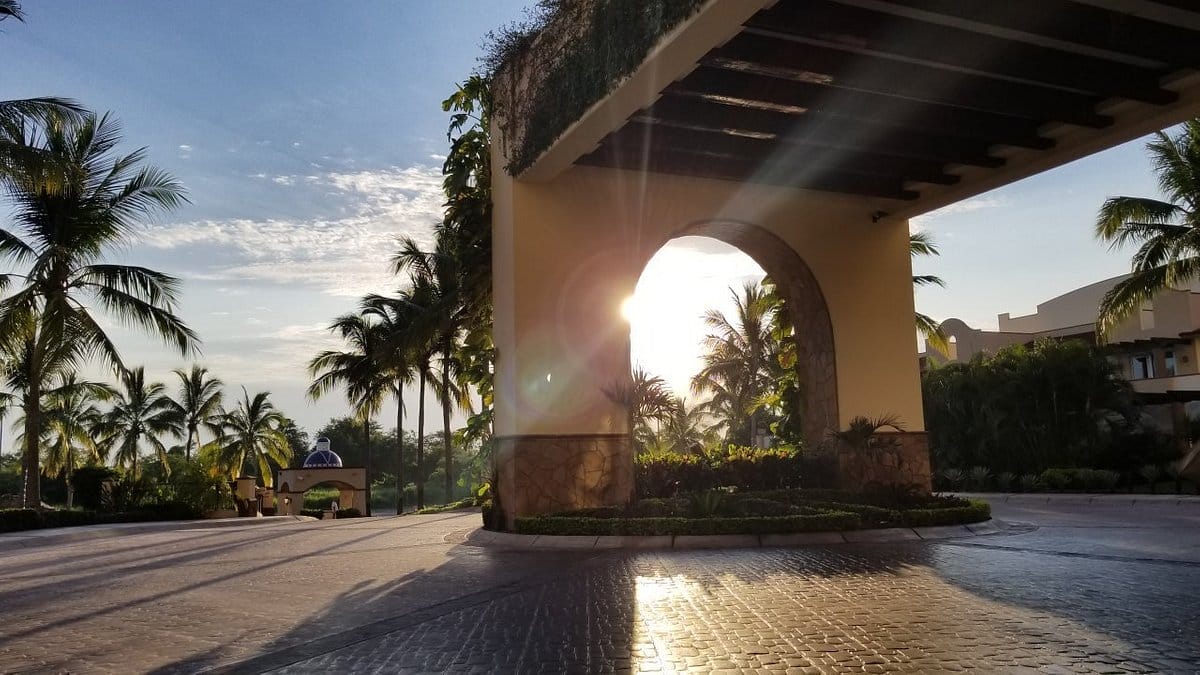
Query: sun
{"points": [[629, 309]]}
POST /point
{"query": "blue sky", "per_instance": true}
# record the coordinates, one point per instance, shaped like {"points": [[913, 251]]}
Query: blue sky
{"points": [[310, 134]]}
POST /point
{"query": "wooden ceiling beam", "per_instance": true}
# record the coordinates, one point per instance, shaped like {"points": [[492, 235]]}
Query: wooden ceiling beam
{"points": [[1058, 23], [874, 118], [859, 30], [836, 69], [824, 180], [646, 139]]}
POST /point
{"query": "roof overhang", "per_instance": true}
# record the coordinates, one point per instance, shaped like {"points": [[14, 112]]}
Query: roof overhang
{"points": [[915, 104]]}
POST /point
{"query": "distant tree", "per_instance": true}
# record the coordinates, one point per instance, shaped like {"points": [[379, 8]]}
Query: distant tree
{"points": [[71, 418], [297, 439], [1167, 231], [141, 412], [252, 433], [198, 405]]}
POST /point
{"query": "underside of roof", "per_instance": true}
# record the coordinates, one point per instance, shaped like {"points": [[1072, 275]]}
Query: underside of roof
{"points": [[900, 99]]}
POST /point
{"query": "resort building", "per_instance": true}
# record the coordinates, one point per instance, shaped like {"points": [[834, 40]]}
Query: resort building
{"points": [[1156, 350]]}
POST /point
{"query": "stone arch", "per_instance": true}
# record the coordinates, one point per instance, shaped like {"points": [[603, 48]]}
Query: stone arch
{"points": [[814, 338]]}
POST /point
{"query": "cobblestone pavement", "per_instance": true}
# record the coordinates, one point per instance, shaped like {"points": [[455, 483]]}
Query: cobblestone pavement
{"points": [[404, 594]]}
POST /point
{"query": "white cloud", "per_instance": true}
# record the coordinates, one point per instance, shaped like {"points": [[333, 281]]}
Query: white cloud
{"points": [[284, 180], [344, 256], [185, 148], [966, 206], [437, 158], [296, 144]]}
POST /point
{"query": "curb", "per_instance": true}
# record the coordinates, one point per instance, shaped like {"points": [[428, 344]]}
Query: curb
{"points": [[1083, 498], [542, 542], [69, 535]]}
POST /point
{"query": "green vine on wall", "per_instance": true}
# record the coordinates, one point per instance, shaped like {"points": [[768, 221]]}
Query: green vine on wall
{"points": [[573, 52]]}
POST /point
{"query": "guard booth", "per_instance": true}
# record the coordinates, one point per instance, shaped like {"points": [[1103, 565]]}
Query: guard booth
{"points": [[804, 132]]}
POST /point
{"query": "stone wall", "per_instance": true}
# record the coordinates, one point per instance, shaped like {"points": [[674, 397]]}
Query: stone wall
{"points": [[552, 473], [898, 458]]}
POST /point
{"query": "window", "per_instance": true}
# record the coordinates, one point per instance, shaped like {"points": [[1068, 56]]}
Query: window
{"points": [[1169, 363], [1141, 367]]}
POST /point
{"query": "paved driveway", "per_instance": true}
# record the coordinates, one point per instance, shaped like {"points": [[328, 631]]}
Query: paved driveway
{"points": [[1092, 590]]}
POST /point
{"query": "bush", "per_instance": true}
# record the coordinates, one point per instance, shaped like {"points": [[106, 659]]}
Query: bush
{"points": [[953, 478], [556, 525], [755, 506], [464, 503], [657, 508], [348, 513], [1005, 480], [972, 512], [15, 520], [666, 474], [1056, 479], [1029, 483], [313, 513]]}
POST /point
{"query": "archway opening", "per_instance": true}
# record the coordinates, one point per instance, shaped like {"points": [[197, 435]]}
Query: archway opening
{"points": [[731, 342]]}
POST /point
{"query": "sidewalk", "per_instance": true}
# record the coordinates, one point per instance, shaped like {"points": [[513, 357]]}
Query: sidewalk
{"points": [[69, 535], [1099, 499]]}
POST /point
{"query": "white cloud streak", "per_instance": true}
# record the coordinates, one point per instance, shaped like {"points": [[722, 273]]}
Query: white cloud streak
{"points": [[344, 256]]}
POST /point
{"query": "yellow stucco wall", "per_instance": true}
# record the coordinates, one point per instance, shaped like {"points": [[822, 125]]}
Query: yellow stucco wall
{"points": [[568, 251]]}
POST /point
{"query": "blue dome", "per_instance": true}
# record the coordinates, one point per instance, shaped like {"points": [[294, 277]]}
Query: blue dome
{"points": [[323, 459]]}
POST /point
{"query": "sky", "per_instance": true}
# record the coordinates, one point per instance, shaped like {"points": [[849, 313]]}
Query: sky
{"points": [[310, 135]]}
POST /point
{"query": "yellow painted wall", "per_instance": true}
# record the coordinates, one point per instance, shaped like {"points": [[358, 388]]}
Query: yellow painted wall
{"points": [[570, 250]]}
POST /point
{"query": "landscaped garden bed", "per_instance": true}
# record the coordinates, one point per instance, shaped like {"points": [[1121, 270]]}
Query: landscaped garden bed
{"points": [[765, 512]]}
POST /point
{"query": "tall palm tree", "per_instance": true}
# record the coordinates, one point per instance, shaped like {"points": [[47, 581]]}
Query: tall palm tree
{"points": [[252, 432], [71, 418], [1167, 231], [141, 412], [437, 281], [198, 405], [71, 210], [739, 352], [395, 358], [358, 371], [920, 243]]}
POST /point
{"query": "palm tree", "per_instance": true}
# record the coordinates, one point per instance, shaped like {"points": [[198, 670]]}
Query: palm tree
{"points": [[437, 283], [358, 371], [70, 210], [71, 416], [141, 411], [1167, 231], [199, 404], [920, 243], [738, 356], [396, 358], [11, 9], [252, 432]]}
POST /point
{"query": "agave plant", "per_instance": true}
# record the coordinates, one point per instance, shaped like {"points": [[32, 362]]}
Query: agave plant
{"points": [[954, 478], [1029, 483], [1150, 472], [980, 478], [1005, 481]]}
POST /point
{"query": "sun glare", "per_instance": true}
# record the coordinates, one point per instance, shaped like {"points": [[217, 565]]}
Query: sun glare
{"points": [[684, 279]]}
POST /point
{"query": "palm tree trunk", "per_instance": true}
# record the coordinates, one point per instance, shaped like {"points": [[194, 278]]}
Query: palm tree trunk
{"points": [[446, 347], [32, 492], [70, 477], [367, 436], [399, 447], [187, 448], [421, 440]]}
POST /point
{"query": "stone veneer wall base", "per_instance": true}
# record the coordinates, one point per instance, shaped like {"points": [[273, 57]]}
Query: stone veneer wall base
{"points": [[553, 473]]}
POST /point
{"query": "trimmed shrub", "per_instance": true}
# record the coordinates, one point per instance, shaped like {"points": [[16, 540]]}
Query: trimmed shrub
{"points": [[756, 506], [1029, 483], [657, 508], [973, 512], [313, 513], [555, 525], [595, 512], [348, 513], [15, 520]]}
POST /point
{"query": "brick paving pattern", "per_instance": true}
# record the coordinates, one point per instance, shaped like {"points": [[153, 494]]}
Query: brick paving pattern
{"points": [[405, 595]]}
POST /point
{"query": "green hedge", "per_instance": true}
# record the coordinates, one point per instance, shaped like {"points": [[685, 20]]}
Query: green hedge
{"points": [[662, 475], [973, 512], [559, 525], [15, 520]]}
